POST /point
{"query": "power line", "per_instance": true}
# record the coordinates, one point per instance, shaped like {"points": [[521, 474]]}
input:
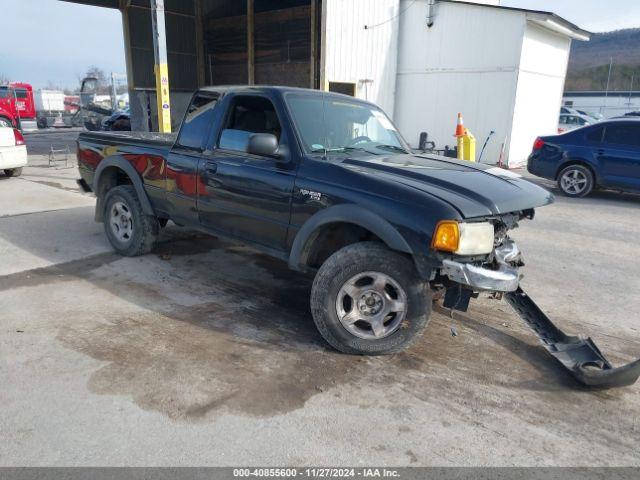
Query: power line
{"points": [[371, 27]]}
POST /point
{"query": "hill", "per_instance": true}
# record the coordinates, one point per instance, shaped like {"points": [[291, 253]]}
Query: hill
{"points": [[589, 61]]}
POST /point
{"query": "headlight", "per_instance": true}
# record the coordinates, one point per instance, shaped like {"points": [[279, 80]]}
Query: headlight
{"points": [[463, 238]]}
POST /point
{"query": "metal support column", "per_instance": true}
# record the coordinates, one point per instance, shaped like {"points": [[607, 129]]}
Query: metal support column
{"points": [[251, 55], [161, 67]]}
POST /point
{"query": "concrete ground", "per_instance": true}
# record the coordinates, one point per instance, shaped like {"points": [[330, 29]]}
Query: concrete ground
{"points": [[205, 353]]}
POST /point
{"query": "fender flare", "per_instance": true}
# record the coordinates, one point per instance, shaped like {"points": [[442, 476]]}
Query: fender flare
{"points": [[121, 163], [347, 213]]}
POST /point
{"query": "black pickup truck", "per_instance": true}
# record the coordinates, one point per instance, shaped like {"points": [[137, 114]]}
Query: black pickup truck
{"points": [[326, 183]]}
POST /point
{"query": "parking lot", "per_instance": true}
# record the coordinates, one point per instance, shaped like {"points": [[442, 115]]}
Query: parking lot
{"points": [[205, 353]]}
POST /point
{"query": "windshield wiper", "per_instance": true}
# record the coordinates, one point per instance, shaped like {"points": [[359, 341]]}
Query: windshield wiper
{"points": [[343, 150], [394, 148]]}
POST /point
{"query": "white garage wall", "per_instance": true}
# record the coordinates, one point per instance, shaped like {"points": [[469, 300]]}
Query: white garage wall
{"points": [[542, 72], [354, 54], [466, 62]]}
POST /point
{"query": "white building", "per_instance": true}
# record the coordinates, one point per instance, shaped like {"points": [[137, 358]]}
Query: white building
{"points": [[609, 104], [424, 61]]}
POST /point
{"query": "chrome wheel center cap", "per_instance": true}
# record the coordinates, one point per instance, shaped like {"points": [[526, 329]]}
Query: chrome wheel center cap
{"points": [[370, 303]]}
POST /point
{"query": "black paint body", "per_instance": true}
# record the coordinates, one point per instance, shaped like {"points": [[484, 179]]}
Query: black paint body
{"points": [[279, 204]]}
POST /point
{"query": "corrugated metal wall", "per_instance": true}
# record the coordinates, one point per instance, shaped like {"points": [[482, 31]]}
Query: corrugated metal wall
{"points": [[365, 57]]}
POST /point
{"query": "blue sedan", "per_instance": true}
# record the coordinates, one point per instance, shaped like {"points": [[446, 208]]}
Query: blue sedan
{"points": [[606, 155]]}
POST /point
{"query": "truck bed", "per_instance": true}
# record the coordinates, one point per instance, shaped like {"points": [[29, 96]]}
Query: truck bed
{"points": [[146, 152]]}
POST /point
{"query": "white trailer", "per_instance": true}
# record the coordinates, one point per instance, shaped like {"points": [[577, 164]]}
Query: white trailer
{"points": [[49, 101], [50, 109]]}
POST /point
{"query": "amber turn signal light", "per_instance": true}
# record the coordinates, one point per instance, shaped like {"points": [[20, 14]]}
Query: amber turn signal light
{"points": [[447, 236]]}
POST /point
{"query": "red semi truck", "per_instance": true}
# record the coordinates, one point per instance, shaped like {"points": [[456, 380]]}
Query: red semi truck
{"points": [[17, 106]]}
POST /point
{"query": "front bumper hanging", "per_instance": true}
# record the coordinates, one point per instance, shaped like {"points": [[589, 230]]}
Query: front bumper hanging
{"points": [[579, 355]]}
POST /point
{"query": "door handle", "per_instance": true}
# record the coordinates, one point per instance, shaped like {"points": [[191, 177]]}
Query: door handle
{"points": [[211, 168]]}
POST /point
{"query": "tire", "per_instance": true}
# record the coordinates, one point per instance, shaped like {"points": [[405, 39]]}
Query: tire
{"points": [[358, 266], [13, 172], [576, 181], [5, 122], [130, 231]]}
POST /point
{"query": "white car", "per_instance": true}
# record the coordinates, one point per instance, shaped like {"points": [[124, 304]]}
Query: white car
{"points": [[13, 151], [571, 122]]}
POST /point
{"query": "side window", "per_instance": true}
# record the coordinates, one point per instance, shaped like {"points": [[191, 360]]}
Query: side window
{"points": [[198, 121], [248, 114], [21, 93], [623, 134], [595, 135]]}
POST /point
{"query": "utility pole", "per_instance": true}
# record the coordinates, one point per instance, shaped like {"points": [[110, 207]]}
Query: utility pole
{"points": [[606, 92], [251, 43], [161, 67], [114, 95]]}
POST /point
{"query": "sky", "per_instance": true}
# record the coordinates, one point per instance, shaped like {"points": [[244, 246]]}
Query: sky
{"points": [[591, 15], [57, 41]]}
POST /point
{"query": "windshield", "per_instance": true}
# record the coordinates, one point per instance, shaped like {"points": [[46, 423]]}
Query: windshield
{"points": [[336, 125]]}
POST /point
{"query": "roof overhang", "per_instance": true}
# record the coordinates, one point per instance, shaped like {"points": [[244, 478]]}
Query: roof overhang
{"points": [[97, 3], [548, 20], [553, 22]]}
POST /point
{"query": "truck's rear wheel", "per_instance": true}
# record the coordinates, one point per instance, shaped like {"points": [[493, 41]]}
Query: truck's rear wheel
{"points": [[13, 172], [369, 300], [130, 231]]}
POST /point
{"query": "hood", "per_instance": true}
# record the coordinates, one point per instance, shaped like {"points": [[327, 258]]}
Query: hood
{"points": [[475, 190]]}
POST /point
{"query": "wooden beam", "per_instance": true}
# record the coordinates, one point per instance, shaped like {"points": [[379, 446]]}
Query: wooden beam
{"points": [[251, 53], [312, 66], [200, 60], [324, 82]]}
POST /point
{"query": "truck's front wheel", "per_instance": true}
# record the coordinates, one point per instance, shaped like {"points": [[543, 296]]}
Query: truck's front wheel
{"points": [[130, 231], [369, 300]]}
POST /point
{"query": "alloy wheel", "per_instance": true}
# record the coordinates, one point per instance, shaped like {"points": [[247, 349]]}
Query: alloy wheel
{"points": [[371, 305], [121, 222]]}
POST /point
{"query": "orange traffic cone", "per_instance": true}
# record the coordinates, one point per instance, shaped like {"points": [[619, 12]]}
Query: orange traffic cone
{"points": [[460, 127]]}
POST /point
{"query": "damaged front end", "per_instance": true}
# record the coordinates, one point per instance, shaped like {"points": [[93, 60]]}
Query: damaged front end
{"points": [[499, 273]]}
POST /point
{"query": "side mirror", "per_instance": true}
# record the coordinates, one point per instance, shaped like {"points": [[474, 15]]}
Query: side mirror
{"points": [[263, 144]]}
